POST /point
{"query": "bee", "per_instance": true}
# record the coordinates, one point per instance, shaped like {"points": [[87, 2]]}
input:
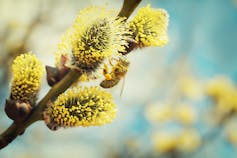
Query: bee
{"points": [[118, 72]]}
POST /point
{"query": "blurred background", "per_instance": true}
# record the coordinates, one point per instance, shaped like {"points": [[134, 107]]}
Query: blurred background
{"points": [[178, 101]]}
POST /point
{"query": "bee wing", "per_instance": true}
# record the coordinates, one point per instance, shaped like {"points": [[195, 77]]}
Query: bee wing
{"points": [[123, 85]]}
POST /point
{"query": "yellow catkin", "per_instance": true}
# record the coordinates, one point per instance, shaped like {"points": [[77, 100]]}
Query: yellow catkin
{"points": [[190, 87], [224, 94], [81, 107], [63, 47], [27, 74], [219, 87], [156, 113], [185, 114], [164, 141], [96, 34], [188, 140], [149, 27]]}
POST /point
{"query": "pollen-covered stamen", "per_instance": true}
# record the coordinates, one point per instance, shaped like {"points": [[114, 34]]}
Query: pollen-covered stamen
{"points": [[149, 27], [93, 40], [96, 36], [88, 51], [81, 107], [27, 74]]}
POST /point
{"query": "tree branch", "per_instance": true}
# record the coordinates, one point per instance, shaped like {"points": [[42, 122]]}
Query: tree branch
{"points": [[128, 7], [16, 129]]}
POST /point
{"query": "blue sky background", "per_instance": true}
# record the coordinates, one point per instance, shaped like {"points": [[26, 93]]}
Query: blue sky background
{"points": [[201, 31]]}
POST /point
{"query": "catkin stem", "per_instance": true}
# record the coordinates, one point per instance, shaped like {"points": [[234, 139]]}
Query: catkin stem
{"points": [[128, 7]]}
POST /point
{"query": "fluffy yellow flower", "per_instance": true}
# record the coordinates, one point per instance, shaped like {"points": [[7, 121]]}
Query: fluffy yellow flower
{"points": [[185, 114], [27, 74], [164, 142], [149, 27], [188, 140], [224, 94], [158, 113], [63, 48], [191, 88], [96, 34], [219, 87], [81, 107]]}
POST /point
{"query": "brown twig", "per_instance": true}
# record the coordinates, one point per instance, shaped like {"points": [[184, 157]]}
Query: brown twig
{"points": [[128, 7]]}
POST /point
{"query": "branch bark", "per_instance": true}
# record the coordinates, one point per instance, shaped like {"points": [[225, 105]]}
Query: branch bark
{"points": [[128, 7]]}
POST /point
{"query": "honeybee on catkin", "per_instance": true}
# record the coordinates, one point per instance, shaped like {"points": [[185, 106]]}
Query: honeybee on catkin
{"points": [[118, 71]]}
